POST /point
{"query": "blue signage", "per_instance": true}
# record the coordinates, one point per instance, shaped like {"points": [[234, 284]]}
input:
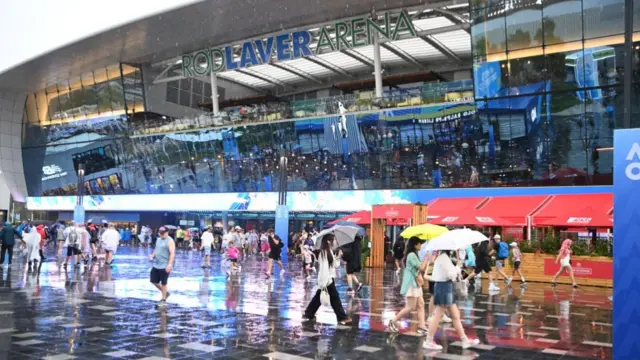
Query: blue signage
{"points": [[626, 252], [487, 80], [78, 214]]}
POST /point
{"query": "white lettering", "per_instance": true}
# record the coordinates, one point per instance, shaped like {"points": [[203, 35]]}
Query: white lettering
{"points": [[450, 219], [578, 220], [632, 171], [484, 219]]}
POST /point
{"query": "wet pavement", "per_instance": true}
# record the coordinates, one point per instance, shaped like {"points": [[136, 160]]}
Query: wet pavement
{"points": [[97, 312]]}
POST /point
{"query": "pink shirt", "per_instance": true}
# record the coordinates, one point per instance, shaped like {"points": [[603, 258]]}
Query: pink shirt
{"points": [[233, 253]]}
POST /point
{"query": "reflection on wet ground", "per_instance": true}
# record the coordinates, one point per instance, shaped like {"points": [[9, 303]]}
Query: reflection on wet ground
{"points": [[102, 313]]}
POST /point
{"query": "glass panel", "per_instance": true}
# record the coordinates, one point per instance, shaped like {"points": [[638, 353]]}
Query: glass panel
{"points": [[562, 21], [524, 28], [603, 17], [488, 33]]}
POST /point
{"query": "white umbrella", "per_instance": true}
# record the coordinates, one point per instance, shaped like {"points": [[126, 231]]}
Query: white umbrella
{"points": [[344, 235], [170, 227], [455, 240]]}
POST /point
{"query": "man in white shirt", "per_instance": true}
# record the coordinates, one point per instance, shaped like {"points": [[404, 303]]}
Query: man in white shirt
{"points": [[110, 240], [207, 242]]}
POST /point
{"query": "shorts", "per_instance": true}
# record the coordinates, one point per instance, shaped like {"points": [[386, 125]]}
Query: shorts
{"points": [[565, 261], [274, 257], [207, 250], [233, 260], [443, 293], [516, 265], [159, 276], [73, 251], [179, 239], [480, 267], [414, 292], [499, 264], [93, 241], [432, 284], [353, 268]]}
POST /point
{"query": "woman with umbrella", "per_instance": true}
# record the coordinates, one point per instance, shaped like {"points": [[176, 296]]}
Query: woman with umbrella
{"points": [[444, 273], [326, 275], [412, 281]]}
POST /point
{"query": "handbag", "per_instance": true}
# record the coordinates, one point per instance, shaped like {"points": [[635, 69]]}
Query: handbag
{"points": [[324, 297]]}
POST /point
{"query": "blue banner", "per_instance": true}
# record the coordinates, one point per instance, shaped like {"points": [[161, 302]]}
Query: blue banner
{"points": [[626, 252], [78, 214], [586, 73], [487, 80], [282, 228]]}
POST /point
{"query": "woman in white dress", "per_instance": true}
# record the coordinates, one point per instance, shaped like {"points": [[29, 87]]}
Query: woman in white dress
{"points": [[32, 239]]}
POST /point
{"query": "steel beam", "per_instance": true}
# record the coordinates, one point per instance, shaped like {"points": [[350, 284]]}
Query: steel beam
{"points": [[442, 48], [263, 77], [402, 54], [318, 61], [300, 73]]}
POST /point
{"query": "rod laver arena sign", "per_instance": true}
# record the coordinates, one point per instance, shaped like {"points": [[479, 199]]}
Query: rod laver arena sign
{"points": [[342, 35]]}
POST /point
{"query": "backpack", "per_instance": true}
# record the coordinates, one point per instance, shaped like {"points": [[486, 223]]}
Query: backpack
{"points": [[503, 250], [73, 238], [60, 233]]}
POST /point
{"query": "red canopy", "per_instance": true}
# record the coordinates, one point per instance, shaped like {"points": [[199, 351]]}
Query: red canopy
{"points": [[511, 210], [583, 210], [359, 218], [457, 211]]}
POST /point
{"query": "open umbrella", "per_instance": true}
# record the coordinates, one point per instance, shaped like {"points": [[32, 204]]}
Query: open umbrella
{"points": [[344, 235], [170, 227], [455, 240], [361, 230], [424, 231]]}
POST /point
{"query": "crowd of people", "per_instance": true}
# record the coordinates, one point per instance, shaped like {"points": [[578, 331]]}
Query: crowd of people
{"points": [[444, 273]]}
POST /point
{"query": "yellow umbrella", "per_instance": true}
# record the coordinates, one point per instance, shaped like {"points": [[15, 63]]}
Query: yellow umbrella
{"points": [[424, 231]]}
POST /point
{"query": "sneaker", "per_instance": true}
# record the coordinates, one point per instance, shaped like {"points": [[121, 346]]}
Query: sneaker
{"points": [[508, 280], [575, 286], [445, 318], [469, 343], [308, 317], [553, 284], [523, 284], [359, 287], [392, 326], [431, 345], [282, 272], [346, 321], [422, 331], [161, 304], [493, 287], [349, 291]]}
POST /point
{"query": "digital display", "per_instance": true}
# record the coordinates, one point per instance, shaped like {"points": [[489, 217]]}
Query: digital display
{"points": [[300, 201]]}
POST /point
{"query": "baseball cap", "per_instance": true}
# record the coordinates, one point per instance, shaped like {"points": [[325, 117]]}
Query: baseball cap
{"points": [[513, 244], [497, 236]]}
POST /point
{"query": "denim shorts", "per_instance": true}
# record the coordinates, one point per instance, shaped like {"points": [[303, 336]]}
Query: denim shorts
{"points": [[443, 293]]}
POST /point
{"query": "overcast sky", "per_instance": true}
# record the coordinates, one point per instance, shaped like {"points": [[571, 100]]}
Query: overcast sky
{"points": [[30, 28]]}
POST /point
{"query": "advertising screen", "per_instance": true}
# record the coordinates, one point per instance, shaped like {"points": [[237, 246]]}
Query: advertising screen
{"points": [[312, 201]]}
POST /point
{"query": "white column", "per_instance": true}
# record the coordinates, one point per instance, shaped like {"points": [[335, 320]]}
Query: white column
{"points": [[214, 93], [377, 66]]}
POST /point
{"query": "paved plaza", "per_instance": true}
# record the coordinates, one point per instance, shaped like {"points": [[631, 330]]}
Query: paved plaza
{"points": [[109, 313]]}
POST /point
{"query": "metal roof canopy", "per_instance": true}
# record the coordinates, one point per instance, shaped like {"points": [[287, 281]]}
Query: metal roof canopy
{"points": [[442, 34]]}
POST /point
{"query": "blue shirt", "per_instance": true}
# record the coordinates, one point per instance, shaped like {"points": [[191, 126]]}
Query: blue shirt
{"points": [[162, 253]]}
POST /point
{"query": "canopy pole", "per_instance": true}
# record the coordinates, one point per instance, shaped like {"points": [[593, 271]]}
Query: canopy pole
{"points": [[377, 63]]}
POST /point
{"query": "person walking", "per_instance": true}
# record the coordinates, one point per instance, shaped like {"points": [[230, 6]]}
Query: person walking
{"points": [[60, 236], [398, 253], [110, 240], [501, 252], [206, 242], [412, 281], [444, 273], [326, 282], [351, 254], [43, 236], [72, 243], [517, 260], [162, 257], [93, 240], [483, 263], [564, 257], [32, 239], [275, 253]]}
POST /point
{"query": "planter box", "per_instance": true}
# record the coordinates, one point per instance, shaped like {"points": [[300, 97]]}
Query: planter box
{"points": [[588, 270]]}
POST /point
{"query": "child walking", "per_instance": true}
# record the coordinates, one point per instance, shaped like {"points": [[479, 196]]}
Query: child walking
{"points": [[232, 256], [517, 259], [309, 258]]}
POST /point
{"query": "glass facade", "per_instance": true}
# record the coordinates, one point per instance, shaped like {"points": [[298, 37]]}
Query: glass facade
{"points": [[545, 98], [548, 82]]}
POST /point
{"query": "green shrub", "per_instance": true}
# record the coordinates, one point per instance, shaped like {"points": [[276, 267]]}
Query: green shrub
{"points": [[580, 248], [550, 244]]}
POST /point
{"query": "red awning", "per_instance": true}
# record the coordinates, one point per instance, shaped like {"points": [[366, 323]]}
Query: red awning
{"points": [[584, 210], [457, 211], [359, 218], [511, 210]]}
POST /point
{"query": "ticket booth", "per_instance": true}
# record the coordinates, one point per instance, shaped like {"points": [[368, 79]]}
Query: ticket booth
{"points": [[387, 215]]}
